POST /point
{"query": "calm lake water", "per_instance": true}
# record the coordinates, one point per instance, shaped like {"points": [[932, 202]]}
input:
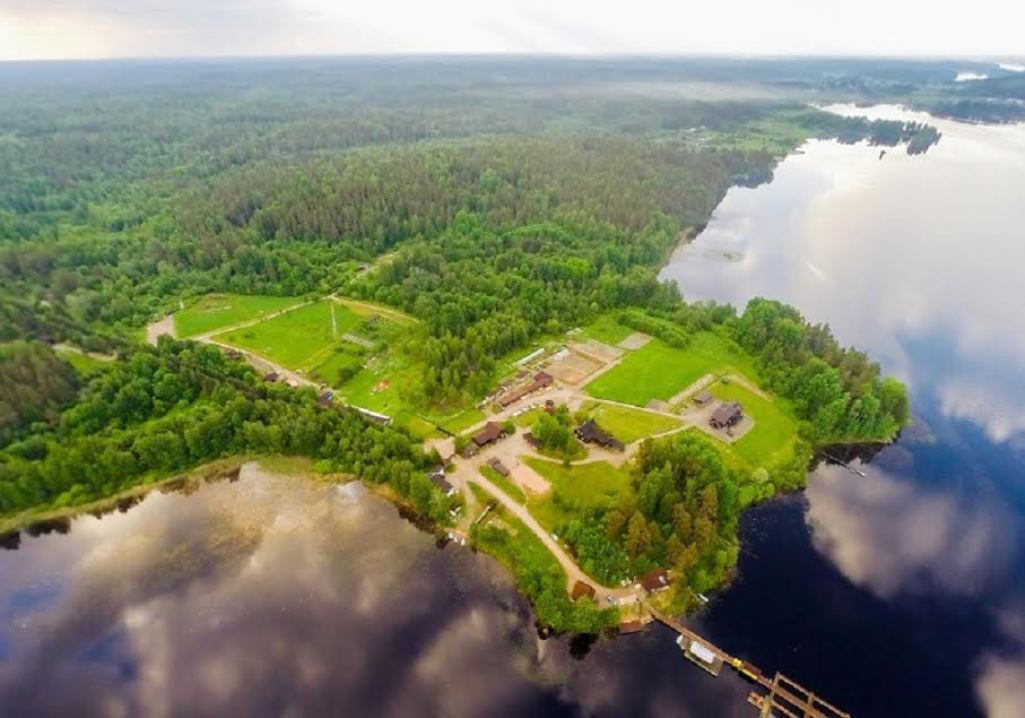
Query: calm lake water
{"points": [[898, 594], [902, 593]]}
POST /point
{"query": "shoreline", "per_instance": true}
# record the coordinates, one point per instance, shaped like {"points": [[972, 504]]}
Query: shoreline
{"points": [[47, 520]]}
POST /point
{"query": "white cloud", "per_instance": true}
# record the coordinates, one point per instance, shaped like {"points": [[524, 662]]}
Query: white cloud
{"points": [[230, 27]]}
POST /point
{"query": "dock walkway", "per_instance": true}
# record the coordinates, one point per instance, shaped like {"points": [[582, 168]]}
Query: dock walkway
{"points": [[784, 698]]}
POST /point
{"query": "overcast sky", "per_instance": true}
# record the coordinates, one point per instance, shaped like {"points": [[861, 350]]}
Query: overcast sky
{"points": [[32, 29]]}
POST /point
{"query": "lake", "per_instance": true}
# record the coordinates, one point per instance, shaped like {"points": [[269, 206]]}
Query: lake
{"points": [[898, 594], [902, 593]]}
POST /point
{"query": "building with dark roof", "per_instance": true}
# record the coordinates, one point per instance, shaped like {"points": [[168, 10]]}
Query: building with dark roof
{"points": [[442, 483], [491, 433], [703, 399], [271, 376], [590, 433], [727, 415], [630, 627], [655, 581]]}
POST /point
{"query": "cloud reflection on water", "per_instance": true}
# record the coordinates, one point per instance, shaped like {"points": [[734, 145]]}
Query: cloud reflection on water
{"points": [[890, 535], [282, 600]]}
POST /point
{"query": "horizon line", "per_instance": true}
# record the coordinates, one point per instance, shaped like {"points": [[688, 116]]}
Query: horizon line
{"points": [[511, 54]]}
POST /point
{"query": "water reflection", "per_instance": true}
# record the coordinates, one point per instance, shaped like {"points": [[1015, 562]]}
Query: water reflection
{"points": [[892, 536], [915, 569], [267, 597]]}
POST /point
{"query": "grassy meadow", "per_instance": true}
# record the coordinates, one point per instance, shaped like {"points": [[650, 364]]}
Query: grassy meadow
{"points": [[574, 489], [214, 311], [628, 424], [298, 339], [658, 371]]}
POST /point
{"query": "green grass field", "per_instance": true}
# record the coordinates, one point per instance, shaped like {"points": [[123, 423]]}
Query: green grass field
{"points": [[416, 425], [299, 339], [528, 418], [606, 329], [658, 371], [574, 489], [214, 311], [462, 421], [627, 424], [345, 357], [771, 438], [379, 386]]}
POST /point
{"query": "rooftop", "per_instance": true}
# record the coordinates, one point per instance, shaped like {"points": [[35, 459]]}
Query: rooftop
{"points": [[491, 432], [582, 589]]}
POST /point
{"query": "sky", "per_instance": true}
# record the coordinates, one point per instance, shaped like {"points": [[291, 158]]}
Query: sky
{"points": [[58, 29]]}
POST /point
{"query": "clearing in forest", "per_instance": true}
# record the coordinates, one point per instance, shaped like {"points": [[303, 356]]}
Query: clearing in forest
{"points": [[216, 311], [296, 339], [659, 371]]}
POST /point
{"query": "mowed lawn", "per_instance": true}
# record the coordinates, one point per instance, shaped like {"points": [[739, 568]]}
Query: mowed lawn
{"points": [[297, 339], [658, 371], [773, 434], [628, 424], [578, 488], [214, 311]]}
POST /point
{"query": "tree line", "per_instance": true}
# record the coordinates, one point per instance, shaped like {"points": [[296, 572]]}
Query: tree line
{"points": [[164, 410]]}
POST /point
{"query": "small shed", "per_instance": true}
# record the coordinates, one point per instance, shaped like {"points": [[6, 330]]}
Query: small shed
{"points": [[271, 376], [627, 627], [581, 589], [496, 464], [442, 483], [703, 399]]}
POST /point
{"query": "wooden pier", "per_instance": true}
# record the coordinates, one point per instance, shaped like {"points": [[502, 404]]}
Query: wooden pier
{"points": [[784, 697]]}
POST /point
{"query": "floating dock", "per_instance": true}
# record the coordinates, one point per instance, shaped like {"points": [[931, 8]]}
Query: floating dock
{"points": [[784, 698], [700, 654]]}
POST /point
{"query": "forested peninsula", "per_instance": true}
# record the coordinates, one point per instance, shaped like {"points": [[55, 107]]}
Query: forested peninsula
{"points": [[415, 257]]}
